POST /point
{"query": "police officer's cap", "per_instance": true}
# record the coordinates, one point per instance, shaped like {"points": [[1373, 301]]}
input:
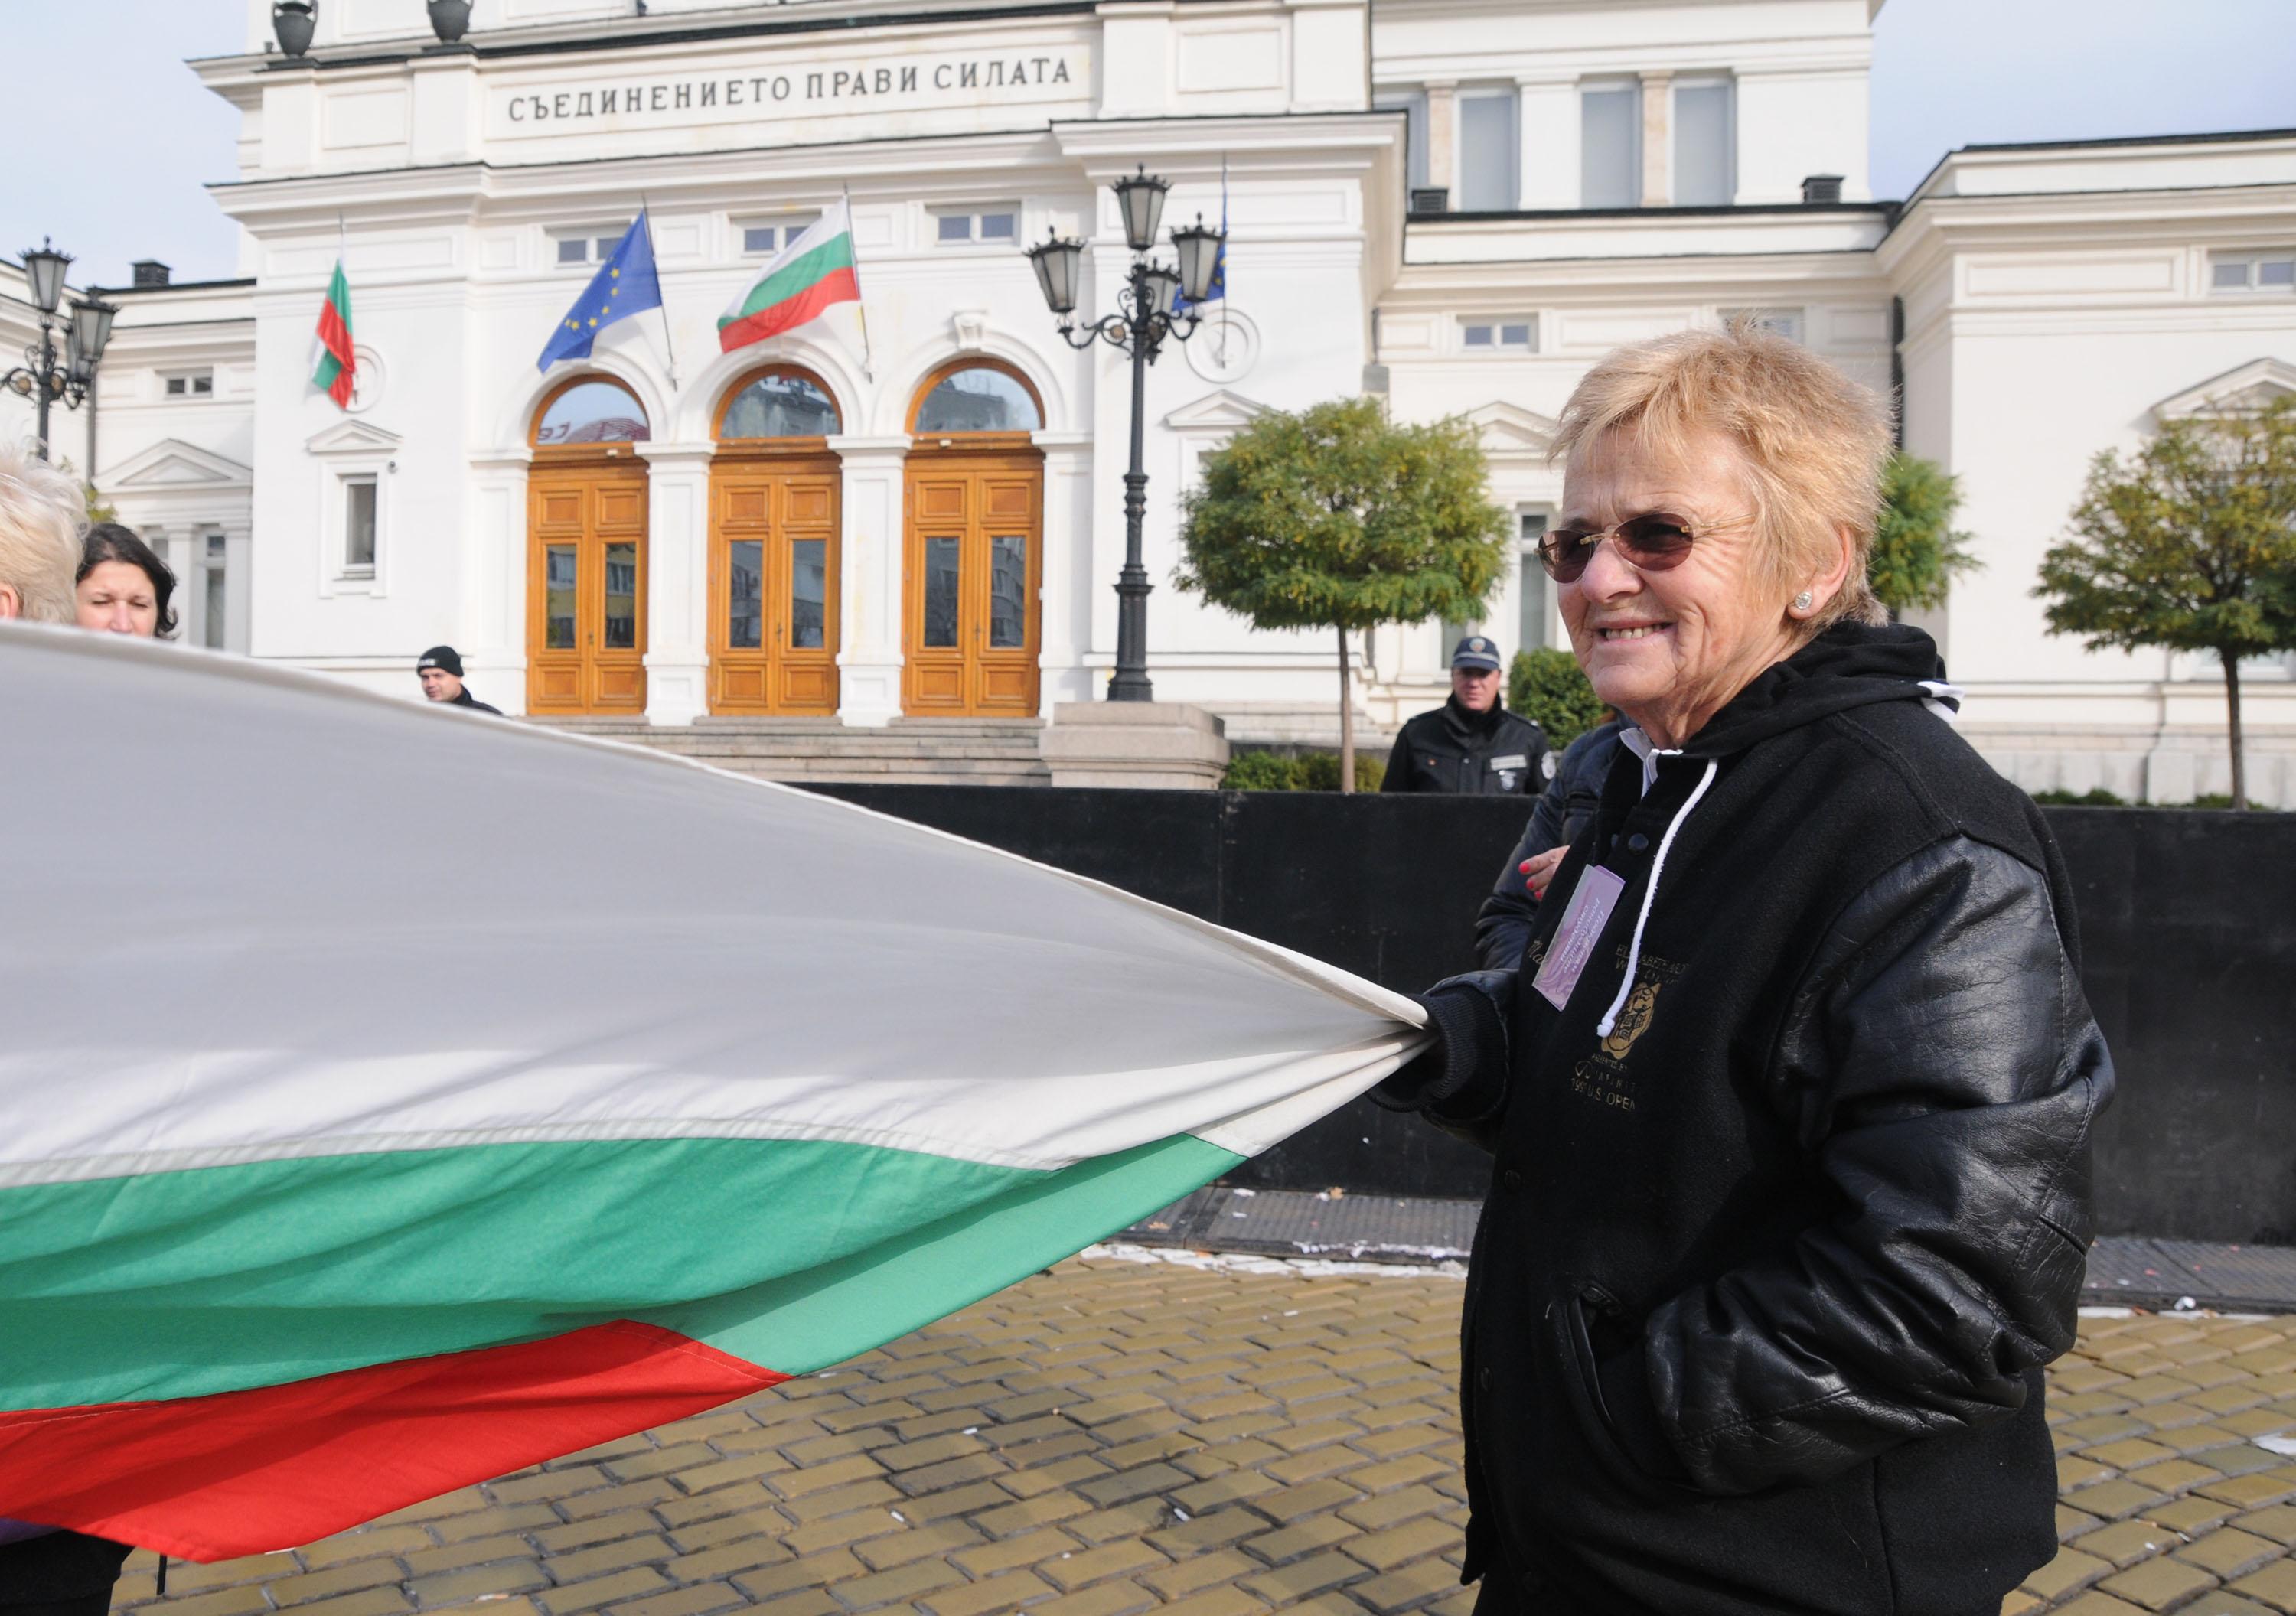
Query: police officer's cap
{"points": [[1476, 652]]}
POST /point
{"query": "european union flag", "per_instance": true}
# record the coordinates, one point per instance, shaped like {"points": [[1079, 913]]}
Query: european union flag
{"points": [[624, 286]]}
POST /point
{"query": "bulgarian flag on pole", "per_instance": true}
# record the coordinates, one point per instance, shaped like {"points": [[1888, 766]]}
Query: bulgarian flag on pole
{"points": [[812, 272], [347, 1163], [334, 361]]}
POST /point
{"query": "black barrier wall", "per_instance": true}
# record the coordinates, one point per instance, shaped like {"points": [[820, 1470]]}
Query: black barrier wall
{"points": [[2187, 924]]}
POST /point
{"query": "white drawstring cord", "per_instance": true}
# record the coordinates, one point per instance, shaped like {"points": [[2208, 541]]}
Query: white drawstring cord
{"points": [[1650, 895]]}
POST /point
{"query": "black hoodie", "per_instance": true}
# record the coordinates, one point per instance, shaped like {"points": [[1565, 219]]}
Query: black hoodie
{"points": [[1791, 1197]]}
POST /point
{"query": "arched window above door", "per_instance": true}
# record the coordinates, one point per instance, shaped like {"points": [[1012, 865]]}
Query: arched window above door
{"points": [[590, 409], [977, 397], [779, 404]]}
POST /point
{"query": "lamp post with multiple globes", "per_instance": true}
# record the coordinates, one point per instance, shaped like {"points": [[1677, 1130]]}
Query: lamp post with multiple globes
{"points": [[88, 332], [1148, 312]]}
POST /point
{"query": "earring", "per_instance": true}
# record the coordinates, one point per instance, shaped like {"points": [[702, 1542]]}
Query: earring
{"points": [[1801, 602]]}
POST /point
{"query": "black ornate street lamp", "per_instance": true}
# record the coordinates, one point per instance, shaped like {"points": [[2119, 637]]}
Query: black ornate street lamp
{"points": [[1149, 305], [87, 333]]}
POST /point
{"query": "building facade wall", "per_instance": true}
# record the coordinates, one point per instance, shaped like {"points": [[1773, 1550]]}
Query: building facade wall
{"points": [[2050, 299]]}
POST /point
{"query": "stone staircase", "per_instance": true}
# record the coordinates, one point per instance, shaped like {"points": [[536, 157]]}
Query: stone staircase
{"points": [[909, 751]]}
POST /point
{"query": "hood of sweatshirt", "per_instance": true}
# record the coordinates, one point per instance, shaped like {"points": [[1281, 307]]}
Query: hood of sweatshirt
{"points": [[1848, 666]]}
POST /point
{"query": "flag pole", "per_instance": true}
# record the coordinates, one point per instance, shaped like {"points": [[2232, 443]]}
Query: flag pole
{"points": [[860, 303], [669, 343], [1223, 261]]}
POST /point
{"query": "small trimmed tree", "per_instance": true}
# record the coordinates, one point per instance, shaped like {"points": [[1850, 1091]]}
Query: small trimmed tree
{"points": [[1917, 553], [1548, 686], [2188, 545], [1334, 517]]}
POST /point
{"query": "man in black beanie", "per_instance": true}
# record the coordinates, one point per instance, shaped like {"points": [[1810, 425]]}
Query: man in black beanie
{"points": [[440, 670]]}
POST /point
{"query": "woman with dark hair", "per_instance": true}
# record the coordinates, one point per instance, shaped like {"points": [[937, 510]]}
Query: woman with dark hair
{"points": [[123, 586]]}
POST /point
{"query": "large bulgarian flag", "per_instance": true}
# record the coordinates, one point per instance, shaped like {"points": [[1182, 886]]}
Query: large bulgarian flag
{"points": [[443, 1094], [812, 272], [335, 361]]}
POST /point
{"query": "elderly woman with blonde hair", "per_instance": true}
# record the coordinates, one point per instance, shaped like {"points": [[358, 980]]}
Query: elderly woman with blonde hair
{"points": [[1791, 1091], [42, 516]]}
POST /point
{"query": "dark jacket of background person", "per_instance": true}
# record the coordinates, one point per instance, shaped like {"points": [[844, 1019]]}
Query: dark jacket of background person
{"points": [[468, 701], [1763, 1287], [1468, 754], [1564, 809], [58, 1573]]}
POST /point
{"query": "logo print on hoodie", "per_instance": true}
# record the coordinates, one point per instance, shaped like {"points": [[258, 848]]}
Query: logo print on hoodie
{"points": [[1633, 1020], [1603, 1076]]}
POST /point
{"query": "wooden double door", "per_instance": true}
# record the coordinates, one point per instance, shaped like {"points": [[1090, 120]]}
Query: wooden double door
{"points": [[773, 583], [587, 586], [973, 573]]}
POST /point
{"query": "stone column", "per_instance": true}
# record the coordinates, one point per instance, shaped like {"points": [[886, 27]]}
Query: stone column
{"points": [[870, 577], [677, 581], [1658, 108], [494, 578], [1070, 591], [1442, 133]]}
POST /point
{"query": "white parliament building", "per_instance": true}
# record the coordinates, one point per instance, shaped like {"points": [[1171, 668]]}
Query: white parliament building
{"points": [[1457, 205]]}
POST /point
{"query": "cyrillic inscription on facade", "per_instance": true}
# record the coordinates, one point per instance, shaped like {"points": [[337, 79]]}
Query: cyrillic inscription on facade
{"points": [[984, 78]]}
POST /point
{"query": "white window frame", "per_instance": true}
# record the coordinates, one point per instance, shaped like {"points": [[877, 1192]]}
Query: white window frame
{"points": [[972, 214], [1792, 323], [786, 228], [1704, 81], [2251, 262], [1633, 88], [347, 569], [1498, 325], [198, 629], [1511, 98], [337, 467], [597, 243], [1527, 556], [190, 391]]}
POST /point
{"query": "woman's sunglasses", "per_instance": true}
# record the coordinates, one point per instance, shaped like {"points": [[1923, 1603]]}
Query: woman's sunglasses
{"points": [[1653, 543]]}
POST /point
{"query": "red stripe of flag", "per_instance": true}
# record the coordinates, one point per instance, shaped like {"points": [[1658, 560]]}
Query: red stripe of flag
{"points": [[838, 286], [245, 1472]]}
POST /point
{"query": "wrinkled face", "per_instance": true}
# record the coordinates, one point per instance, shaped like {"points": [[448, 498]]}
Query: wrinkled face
{"points": [[1669, 648], [1477, 689], [439, 684], [116, 598]]}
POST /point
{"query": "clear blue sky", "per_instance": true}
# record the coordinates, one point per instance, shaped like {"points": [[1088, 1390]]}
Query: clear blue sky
{"points": [[119, 173]]}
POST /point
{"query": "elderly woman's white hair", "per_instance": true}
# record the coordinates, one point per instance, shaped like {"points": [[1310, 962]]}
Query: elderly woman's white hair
{"points": [[42, 513]]}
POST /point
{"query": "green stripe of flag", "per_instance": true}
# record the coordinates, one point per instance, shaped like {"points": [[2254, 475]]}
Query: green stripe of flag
{"points": [[791, 1254], [792, 278]]}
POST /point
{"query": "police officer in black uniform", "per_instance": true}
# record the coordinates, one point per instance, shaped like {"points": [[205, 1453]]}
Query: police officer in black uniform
{"points": [[1471, 745]]}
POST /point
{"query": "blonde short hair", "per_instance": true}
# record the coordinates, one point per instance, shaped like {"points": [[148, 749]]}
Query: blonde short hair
{"points": [[1814, 441], [42, 513]]}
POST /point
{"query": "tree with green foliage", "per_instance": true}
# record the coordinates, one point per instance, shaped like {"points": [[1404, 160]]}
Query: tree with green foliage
{"points": [[1917, 553], [1548, 687], [1334, 517], [2188, 545]]}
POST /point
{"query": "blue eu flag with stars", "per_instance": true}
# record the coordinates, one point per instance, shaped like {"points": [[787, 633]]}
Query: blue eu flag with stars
{"points": [[625, 284]]}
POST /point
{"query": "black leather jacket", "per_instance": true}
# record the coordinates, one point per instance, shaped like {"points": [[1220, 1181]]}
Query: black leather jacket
{"points": [[1449, 749], [1791, 1200], [1502, 924]]}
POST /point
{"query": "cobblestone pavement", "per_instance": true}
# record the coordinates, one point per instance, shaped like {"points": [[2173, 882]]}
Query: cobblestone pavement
{"points": [[1121, 1437]]}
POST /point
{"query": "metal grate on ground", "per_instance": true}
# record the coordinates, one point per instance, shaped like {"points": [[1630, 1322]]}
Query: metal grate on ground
{"points": [[2124, 1270]]}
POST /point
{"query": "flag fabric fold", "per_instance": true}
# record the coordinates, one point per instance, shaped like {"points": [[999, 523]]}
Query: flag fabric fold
{"points": [[809, 276], [625, 284], [458, 1095], [335, 358]]}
